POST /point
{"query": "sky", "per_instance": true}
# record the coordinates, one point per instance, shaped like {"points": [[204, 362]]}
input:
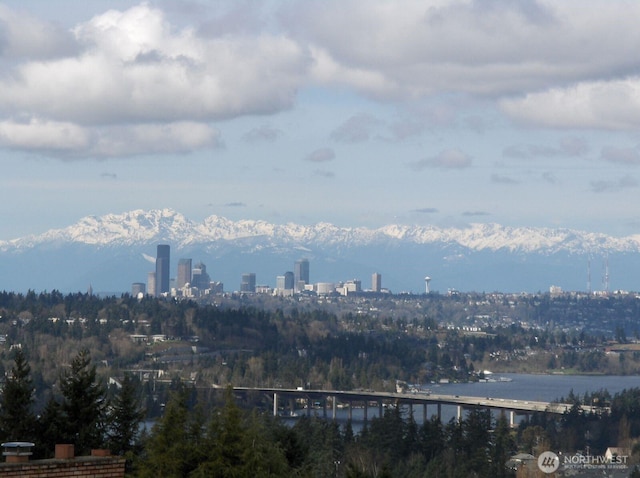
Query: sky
{"points": [[352, 112]]}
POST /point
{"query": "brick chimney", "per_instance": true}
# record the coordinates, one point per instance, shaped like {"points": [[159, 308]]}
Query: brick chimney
{"points": [[64, 451]]}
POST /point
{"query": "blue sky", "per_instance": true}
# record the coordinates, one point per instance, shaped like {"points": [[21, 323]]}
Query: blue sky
{"points": [[354, 112]]}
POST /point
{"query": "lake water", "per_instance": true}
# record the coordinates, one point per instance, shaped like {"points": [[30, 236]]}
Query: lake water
{"points": [[538, 387]]}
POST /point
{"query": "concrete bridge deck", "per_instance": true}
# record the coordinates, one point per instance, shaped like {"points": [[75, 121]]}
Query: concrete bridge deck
{"points": [[512, 406]]}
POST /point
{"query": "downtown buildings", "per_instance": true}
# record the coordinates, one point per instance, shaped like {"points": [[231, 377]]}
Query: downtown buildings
{"points": [[193, 281]]}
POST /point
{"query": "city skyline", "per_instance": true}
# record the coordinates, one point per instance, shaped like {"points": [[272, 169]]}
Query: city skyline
{"points": [[444, 112], [194, 279]]}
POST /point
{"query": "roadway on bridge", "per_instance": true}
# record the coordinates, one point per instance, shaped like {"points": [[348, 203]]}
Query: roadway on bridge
{"points": [[518, 406]]}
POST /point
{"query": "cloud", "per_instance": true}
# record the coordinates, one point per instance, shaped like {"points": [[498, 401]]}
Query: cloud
{"points": [[235, 204], [549, 177], [43, 135], [448, 159], [356, 129], [26, 36], [629, 156], [426, 210], [134, 67], [321, 155], [407, 49], [264, 133], [602, 186], [109, 176], [500, 179], [475, 213], [570, 146], [70, 141], [324, 174], [612, 104]]}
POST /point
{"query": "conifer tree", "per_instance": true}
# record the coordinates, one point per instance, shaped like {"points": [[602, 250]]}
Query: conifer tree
{"points": [[84, 405], [125, 417], [17, 421]]}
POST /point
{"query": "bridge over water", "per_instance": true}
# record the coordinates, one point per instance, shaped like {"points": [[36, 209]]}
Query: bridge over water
{"points": [[335, 398]]}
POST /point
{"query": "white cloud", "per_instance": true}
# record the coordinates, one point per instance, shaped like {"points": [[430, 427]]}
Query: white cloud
{"points": [[600, 105], [179, 137], [43, 135], [22, 35], [70, 141], [135, 67], [410, 48]]}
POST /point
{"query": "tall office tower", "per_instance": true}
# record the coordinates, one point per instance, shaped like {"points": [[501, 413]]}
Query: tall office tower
{"points": [[301, 272], [288, 280], [151, 283], [285, 282], [184, 273], [248, 283], [200, 278], [376, 282], [138, 288], [162, 270]]}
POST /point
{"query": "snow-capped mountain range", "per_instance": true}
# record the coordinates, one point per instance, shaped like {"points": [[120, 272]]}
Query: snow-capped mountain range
{"points": [[109, 251]]}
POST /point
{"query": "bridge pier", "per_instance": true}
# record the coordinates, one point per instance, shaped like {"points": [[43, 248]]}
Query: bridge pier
{"points": [[379, 408], [424, 413], [459, 413], [366, 409], [308, 406], [275, 404], [350, 410], [333, 417], [324, 408], [440, 412]]}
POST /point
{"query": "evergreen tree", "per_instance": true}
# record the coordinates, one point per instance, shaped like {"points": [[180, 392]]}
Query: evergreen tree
{"points": [[51, 429], [17, 421], [84, 405], [169, 452], [125, 417]]}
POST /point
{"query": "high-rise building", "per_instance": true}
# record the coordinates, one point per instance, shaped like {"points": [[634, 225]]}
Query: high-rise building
{"points": [[200, 278], [138, 288], [162, 270], [184, 273], [248, 283], [285, 282], [151, 283], [376, 282], [301, 273]]}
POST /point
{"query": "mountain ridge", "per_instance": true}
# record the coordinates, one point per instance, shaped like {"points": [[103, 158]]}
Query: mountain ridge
{"points": [[138, 227], [112, 251]]}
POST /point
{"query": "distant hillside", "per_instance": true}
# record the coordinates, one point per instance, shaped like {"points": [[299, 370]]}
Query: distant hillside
{"points": [[112, 251]]}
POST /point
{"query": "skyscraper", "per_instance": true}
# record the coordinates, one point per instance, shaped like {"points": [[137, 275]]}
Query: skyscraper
{"points": [[301, 272], [200, 278], [137, 288], [248, 283], [151, 283], [184, 273], [376, 282], [162, 269]]}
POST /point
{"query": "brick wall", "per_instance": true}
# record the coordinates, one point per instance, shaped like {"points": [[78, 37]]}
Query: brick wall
{"points": [[80, 467]]}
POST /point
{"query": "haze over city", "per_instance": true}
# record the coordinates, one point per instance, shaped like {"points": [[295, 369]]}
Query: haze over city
{"points": [[358, 113]]}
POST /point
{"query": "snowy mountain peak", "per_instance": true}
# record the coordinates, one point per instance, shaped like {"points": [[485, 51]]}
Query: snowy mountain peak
{"points": [[139, 227]]}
